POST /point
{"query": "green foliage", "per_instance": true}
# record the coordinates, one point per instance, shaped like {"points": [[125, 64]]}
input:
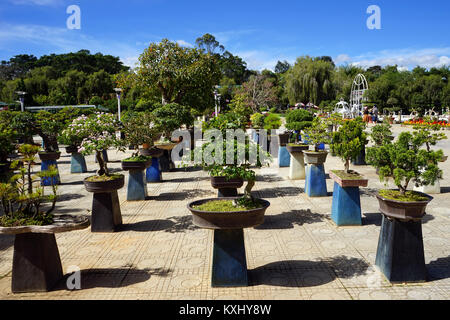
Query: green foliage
{"points": [[49, 126], [22, 199], [348, 141], [317, 133], [171, 117], [75, 132], [7, 139], [225, 121], [381, 134], [139, 129], [257, 120], [137, 158], [272, 121], [227, 206], [406, 160], [240, 106], [298, 120]]}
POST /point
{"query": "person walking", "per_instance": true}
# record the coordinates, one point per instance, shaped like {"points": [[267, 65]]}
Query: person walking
{"points": [[375, 114], [366, 115]]}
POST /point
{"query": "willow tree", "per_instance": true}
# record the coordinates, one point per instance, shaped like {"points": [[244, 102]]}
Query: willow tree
{"points": [[181, 75], [310, 80]]}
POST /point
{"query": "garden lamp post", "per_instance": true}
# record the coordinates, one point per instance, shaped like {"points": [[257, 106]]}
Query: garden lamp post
{"points": [[118, 94], [22, 99]]}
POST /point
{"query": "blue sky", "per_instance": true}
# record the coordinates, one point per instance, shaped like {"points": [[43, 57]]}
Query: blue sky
{"points": [[261, 32]]}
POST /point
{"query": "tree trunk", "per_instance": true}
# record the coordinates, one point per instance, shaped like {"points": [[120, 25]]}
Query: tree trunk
{"points": [[102, 164], [347, 166], [248, 189]]}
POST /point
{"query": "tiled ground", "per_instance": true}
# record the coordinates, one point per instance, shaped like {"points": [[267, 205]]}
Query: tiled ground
{"points": [[298, 253]]}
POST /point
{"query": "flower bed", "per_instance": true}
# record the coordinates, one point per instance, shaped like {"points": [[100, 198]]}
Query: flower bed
{"points": [[444, 124]]}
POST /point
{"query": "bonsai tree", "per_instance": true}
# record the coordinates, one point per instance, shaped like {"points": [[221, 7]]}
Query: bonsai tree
{"points": [[317, 133], [298, 120], [171, 117], [406, 161], [7, 145], [75, 132], [335, 120], [139, 129], [49, 125], [381, 134], [272, 122], [257, 120], [429, 135], [22, 199], [24, 124], [348, 142], [102, 129]]}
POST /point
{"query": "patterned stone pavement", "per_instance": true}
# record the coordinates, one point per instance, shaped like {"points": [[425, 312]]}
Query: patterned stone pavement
{"points": [[297, 254]]}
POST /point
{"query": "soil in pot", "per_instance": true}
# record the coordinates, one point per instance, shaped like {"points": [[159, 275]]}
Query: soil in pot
{"points": [[227, 206], [409, 196]]}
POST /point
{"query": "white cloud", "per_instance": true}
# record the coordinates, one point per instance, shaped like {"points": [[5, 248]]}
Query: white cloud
{"points": [[260, 60], [184, 43], [404, 58]]}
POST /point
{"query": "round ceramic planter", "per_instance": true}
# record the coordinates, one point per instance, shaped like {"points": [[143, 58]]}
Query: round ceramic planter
{"points": [[49, 156], [136, 165], [283, 139], [224, 183], [317, 158], [151, 152], [104, 186], [227, 220], [72, 149], [166, 146], [404, 211], [297, 149]]}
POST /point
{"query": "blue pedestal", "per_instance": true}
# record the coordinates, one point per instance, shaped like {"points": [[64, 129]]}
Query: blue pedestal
{"points": [[45, 164], [346, 207], [137, 186], [400, 254], [229, 268], [315, 183], [77, 163], [284, 157], [153, 173]]}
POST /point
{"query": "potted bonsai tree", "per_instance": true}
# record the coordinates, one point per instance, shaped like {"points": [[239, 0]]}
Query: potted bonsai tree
{"points": [[430, 136], [139, 130], [298, 120], [400, 248], [257, 122], [27, 212], [317, 134], [49, 126], [360, 158], [169, 118], [228, 216], [24, 124], [72, 137], [347, 143], [381, 134], [106, 215]]}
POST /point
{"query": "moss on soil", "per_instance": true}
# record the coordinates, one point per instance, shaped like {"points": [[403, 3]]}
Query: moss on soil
{"points": [[137, 159], [20, 220], [297, 145], [352, 175], [226, 206], [104, 178], [409, 196]]}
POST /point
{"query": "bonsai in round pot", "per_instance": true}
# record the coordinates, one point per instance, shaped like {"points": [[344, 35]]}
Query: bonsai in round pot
{"points": [[400, 253], [170, 117], [72, 137], [106, 215], [27, 212], [315, 184], [347, 143], [140, 129], [49, 126], [228, 217]]}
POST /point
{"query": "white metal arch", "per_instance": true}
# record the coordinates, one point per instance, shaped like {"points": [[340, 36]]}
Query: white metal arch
{"points": [[359, 87]]}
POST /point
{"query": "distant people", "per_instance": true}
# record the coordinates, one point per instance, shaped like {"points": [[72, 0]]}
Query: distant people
{"points": [[366, 115], [375, 114]]}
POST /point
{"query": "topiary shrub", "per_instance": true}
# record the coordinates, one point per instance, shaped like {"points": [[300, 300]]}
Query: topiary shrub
{"points": [[272, 122], [298, 120]]}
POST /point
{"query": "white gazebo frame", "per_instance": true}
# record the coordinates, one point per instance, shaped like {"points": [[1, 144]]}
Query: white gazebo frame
{"points": [[359, 88]]}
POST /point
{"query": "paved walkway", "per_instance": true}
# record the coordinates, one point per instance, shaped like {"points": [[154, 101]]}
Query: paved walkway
{"points": [[298, 253]]}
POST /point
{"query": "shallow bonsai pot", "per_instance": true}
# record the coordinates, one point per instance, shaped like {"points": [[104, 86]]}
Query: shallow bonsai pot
{"points": [[151, 152], [136, 165], [297, 149], [227, 220], [224, 183], [104, 186], [347, 183], [49, 156], [166, 146], [72, 149], [444, 158], [405, 211], [317, 158], [283, 139]]}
